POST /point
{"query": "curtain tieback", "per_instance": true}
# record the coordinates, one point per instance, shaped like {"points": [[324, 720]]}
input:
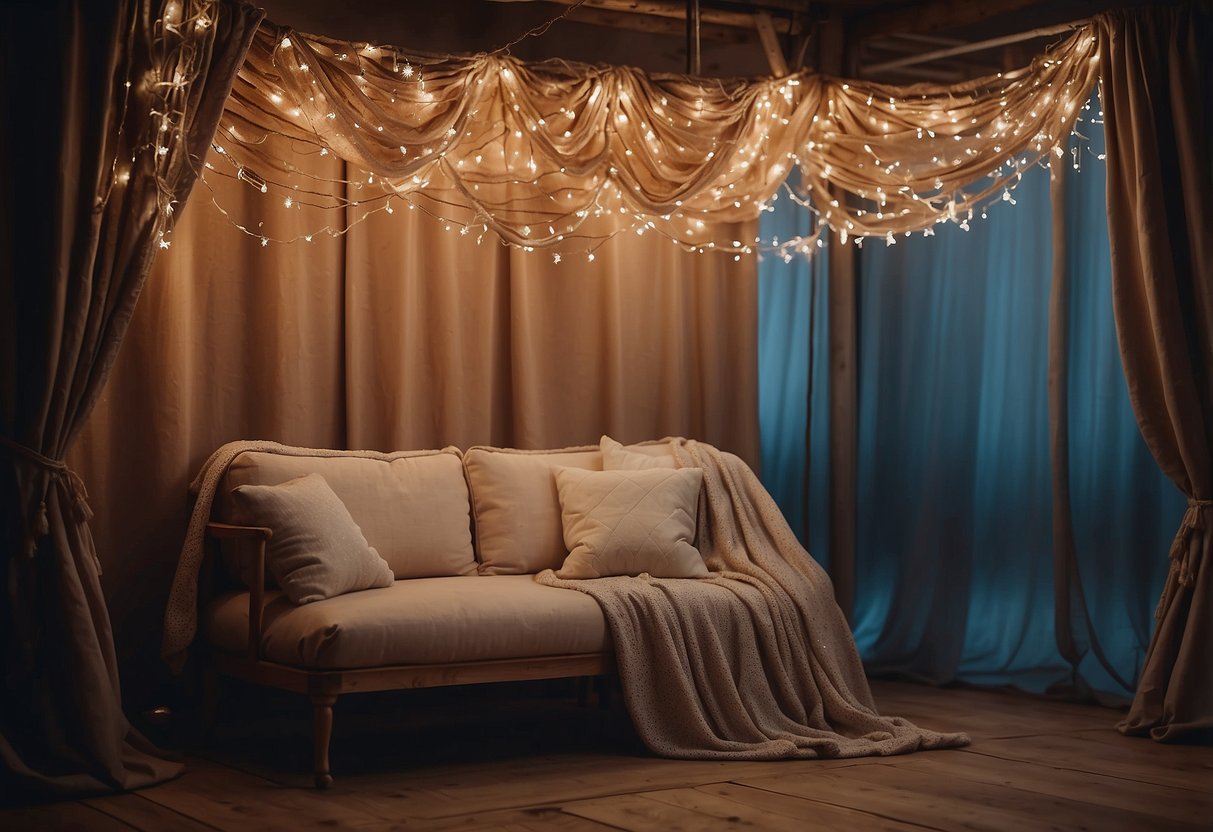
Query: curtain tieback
{"points": [[1181, 549], [56, 469]]}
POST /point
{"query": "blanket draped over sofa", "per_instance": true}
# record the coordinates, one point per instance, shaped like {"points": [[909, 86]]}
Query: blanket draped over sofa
{"points": [[754, 662]]}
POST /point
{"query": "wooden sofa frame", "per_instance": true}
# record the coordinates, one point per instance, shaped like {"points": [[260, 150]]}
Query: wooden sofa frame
{"points": [[324, 686]]}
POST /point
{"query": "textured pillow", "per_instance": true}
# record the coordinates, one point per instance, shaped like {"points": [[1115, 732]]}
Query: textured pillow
{"points": [[629, 522], [516, 507], [619, 457], [317, 550]]}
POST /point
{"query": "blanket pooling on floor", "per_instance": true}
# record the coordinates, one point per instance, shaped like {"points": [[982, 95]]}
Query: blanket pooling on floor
{"points": [[755, 662]]}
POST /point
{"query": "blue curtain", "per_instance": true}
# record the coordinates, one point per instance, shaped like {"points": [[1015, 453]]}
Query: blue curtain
{"points": [[792, 358], [954, 557]]}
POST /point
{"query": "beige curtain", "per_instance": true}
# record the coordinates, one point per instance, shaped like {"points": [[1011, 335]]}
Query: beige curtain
{"points": [[454, 342], [89, 181], [396, 335], [1158, 99]]}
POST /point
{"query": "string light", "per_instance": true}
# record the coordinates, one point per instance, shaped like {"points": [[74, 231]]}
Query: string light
{"points": [[587, 153]]}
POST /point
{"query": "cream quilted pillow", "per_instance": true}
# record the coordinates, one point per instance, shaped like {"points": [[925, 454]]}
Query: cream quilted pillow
{"points": [[629, 522]]}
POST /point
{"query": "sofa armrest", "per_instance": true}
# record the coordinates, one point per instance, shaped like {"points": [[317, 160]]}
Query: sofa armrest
{"points": [[256, 598]]}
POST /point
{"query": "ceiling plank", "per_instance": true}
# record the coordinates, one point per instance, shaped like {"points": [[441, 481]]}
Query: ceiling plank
{"points": [[676, 9], [656, 25], [934, 16]]}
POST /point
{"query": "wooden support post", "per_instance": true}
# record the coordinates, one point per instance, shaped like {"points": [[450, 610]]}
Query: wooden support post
{"points": [[843, 366], [770, 44], [694, 62], [322, 733], [844, 420]]}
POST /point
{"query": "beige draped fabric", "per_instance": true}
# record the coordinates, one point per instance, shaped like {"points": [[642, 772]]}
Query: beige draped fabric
{"points": [[118, 112], [1158, 97], [542, 154]]}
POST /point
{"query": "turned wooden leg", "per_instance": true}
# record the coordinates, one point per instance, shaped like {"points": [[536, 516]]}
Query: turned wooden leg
{"points": [[322, 732]]}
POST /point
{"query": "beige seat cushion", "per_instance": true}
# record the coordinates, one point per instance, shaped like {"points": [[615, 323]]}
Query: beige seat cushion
{"points": [[517, 512], [419, 621], [412, 507]]}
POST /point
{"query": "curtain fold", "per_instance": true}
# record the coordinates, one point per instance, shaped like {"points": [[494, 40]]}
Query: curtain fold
{"points": [[1158, 95], [116, 126], [793, 391], [454, 341]]}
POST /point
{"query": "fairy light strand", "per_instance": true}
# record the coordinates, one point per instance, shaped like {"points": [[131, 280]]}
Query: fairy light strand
{"points": [[564, 156]]}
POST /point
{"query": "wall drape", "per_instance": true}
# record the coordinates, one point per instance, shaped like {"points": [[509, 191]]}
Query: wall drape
{"points": [[954, 577], [1158, 95], [453, 342], [793, 362], [80, 240], [396, 335]]}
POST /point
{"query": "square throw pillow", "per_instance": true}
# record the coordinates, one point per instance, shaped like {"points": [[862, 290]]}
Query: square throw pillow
{"points": [[317, 550], [629, 522], [618, 457]]}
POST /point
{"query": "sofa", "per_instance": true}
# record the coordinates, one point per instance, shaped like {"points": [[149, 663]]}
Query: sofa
{"points": [[459, 537]]}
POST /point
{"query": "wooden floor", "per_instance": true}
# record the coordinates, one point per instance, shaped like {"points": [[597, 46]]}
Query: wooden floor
{"points": [[487, 759]]}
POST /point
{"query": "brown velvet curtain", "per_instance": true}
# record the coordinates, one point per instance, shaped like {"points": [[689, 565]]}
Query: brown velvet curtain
{"points": [[397, 335], [1157, 70], [81, 229]]}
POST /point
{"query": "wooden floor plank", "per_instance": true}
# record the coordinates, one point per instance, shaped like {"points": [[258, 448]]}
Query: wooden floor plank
{"points": [[224, 798], [1130, 758], [957, 806], [60, 817], [1167, 802], [138, 812], [555, 780], [640, 813], [985, 714], [775, 811]]}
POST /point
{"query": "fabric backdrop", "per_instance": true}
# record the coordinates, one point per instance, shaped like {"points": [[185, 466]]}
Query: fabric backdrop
{"points": [[955, 554], [397, 335], [793, 382]]}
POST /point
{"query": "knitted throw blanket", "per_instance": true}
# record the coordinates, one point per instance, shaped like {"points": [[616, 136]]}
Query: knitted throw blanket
{"points": [[755, 662], [181, 614]]}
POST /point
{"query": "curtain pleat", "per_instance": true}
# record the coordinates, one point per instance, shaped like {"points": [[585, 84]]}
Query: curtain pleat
{"points": [[1158, 95], [88, 183]]}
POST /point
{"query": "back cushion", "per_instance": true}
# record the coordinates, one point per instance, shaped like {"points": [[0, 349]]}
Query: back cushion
{"points": [[412, 507], [516, 507]]}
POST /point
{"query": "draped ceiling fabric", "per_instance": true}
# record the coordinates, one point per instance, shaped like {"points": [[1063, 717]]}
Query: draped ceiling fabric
{"points": [[1158, 96], [123, 105], [542, 153]]}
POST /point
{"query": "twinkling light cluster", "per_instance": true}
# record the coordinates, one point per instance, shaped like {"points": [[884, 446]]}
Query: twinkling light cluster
{"points": [[155, 99], [562, 156]]}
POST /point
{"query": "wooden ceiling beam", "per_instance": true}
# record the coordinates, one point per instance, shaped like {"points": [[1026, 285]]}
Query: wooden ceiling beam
{"points": [[676, 9], [934, 16], [710, 33]]}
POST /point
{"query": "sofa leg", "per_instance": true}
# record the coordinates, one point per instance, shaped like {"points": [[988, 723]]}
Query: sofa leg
{"points": [[322, 732]]}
